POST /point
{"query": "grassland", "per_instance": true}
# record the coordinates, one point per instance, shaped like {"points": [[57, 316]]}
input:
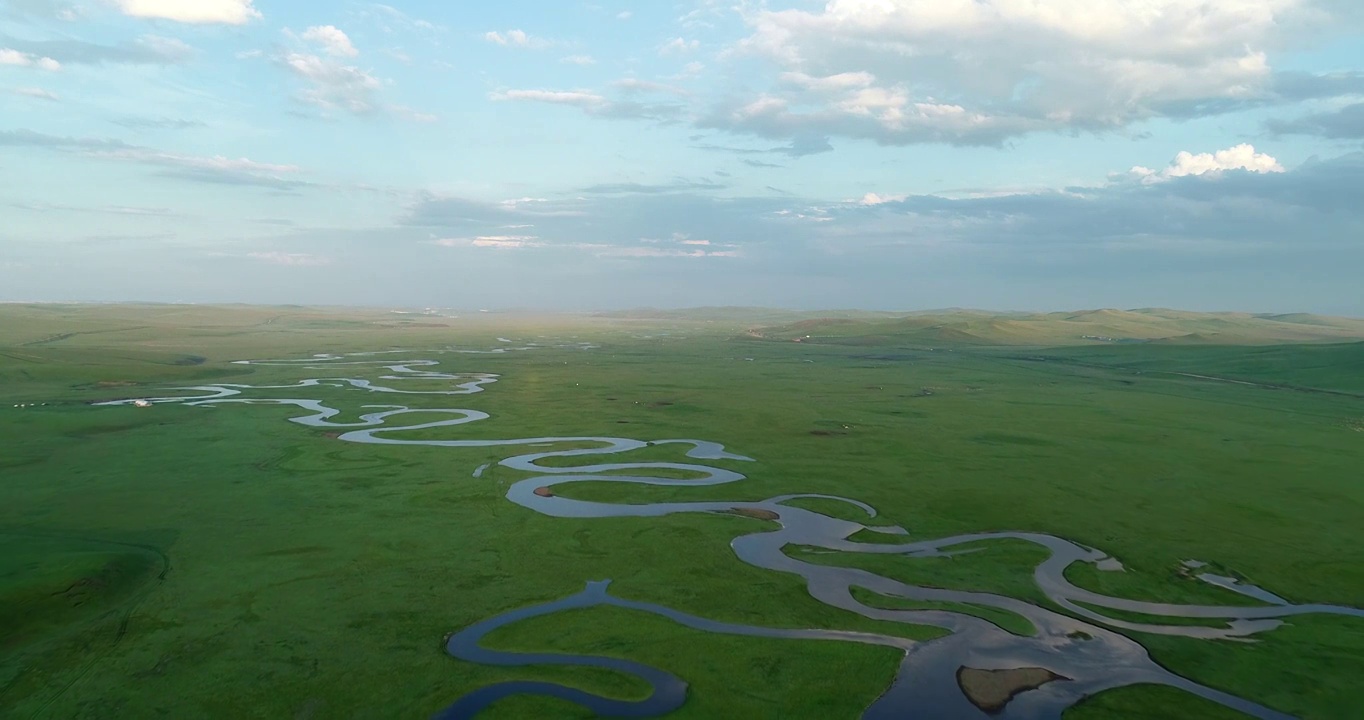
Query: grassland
{"points": [[197, 562]]}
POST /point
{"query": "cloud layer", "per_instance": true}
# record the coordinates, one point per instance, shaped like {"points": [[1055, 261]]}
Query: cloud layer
{"points": [[208, 169], [12, 57], [979, 71], [198, 12]]}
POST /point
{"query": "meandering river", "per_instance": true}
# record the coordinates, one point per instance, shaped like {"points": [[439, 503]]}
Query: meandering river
{"points": [[1084, 649]]}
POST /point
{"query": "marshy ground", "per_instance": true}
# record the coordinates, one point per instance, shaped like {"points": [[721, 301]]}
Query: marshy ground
{"points": [[221, 562]]}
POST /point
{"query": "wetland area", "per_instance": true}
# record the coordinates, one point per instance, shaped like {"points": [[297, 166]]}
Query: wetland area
{"points": [[923, 531]]}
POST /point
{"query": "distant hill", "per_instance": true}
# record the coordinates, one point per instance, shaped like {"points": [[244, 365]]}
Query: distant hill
{"points": [[742, 315], [53, 324], [1087, 327]]}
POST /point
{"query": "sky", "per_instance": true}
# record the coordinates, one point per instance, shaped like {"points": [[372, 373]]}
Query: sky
{"points": [[882, 154]]}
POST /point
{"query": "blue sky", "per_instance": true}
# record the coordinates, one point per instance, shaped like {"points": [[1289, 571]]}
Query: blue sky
{"points": [[895, 154]]}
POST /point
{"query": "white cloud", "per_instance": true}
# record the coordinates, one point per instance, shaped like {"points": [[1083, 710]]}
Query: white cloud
{"points": [[678, 46], [655, 252], [650, 249], [9, 56], [578, 60], [872, 198], [594, 104], [515, 38], [216, 163], [1238, 157], [333, 40], [577, 98], [37, 93], [334, 85], [57, 54], [226, 12], [977, 71], [624, 15], [501, 242], [289, 259], [215, 169], [705, 12], [832, 83]]}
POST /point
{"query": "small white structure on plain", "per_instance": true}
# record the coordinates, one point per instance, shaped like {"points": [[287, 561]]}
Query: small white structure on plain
{"points": [[142, 403]]}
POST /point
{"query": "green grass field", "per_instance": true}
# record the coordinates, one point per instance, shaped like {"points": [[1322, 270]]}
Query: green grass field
{"points": [[221, 562]]}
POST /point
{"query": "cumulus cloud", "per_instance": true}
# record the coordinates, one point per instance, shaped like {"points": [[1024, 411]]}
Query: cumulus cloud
{"points": [[199, 12], [515, 38], [678, 46], [1239, 157], [872, 198], [980, 71], [10, 56], [578, 60], [334, 85], [332, 40], [885, 115]]}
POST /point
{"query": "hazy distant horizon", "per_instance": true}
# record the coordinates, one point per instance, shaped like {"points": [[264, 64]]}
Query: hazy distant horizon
{"points": [[530, 310]]}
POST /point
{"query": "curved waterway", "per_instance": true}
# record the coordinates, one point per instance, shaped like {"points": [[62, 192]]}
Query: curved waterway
{"points": [[1084, 650]]}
